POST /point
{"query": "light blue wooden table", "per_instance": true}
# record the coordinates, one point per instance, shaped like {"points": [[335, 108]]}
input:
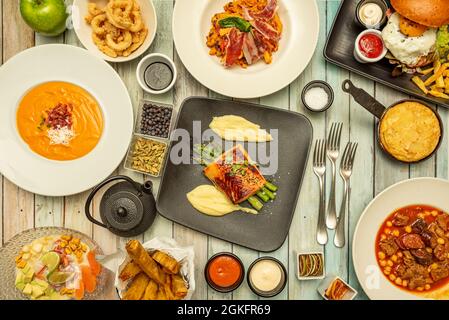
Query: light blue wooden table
{"points": [[373, 171]]}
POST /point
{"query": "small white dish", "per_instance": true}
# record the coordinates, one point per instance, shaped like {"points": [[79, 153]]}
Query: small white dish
{"points": [[148, 61], [314, 277], [84, 31], [324, 285], [359, 56]]}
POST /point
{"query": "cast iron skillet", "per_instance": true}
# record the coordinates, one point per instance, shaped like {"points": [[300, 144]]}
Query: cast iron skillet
{"points": [[379, 111]]}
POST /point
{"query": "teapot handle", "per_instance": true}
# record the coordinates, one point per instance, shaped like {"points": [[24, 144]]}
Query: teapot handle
{"points": [[101, 185]]}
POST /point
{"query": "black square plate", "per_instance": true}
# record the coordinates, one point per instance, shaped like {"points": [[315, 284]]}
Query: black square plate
{"points": [[263, 232], [340, 47]]}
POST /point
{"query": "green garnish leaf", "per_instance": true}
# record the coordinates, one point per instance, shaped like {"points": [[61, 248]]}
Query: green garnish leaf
{"points": [[235, 22]]}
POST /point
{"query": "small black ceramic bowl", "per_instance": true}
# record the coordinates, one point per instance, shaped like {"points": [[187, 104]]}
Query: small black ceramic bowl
{"points": [[382, 4], [278, 289], [224, 289], [318, 84]]}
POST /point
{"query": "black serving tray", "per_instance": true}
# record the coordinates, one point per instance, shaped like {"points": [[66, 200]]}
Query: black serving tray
{"points": [[267, 230], [340, 47]]}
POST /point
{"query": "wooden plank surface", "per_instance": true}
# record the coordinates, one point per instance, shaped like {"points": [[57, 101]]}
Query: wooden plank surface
{"points": [[18, 205], [373, 171], [303, 230], [1, 177]]}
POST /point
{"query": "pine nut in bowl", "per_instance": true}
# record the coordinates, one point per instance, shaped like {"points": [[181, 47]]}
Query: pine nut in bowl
{"points": [[317, 96], [156, 73]]}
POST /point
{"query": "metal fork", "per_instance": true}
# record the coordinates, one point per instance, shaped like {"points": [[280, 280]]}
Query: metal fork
{"points": [[333, 150], [346, 165], [319, 168]]}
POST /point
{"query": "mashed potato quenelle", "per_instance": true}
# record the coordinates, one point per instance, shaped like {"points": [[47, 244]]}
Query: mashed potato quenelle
{"points": [[209, 200], [410, 131], [235, 128], [60, 121]]}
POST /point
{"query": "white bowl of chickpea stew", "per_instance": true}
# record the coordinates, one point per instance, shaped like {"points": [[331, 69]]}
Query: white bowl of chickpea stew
{"points": [[401, 242]]}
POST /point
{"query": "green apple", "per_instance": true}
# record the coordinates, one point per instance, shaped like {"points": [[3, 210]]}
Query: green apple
{"points": [[47, 17]]}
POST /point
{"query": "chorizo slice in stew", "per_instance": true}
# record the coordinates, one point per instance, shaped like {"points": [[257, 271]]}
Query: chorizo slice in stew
{"points": [[419, 226], [412, 241], [422, 256]]}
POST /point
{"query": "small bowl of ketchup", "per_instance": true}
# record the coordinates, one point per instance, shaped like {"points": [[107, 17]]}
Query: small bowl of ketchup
{"points": [[224, 272], [369, 47]]}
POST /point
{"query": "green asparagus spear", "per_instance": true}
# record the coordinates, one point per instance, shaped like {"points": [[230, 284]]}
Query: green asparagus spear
{"points": [[263, 196], [255, 203], [270, 194], [271, 187]]}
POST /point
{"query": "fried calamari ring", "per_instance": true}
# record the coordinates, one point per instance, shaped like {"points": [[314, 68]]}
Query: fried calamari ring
{"points": [[137, 22], [118, 13], [101, 44], [120, 44], [98, 23], [112, 30], [138, 40]]}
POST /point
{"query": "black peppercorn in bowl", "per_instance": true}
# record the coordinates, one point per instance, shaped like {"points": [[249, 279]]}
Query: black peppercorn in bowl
{"points": [[154, 119]]}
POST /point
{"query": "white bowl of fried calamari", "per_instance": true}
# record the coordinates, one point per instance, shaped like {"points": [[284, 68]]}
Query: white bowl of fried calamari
{"points": [[115, 30]]}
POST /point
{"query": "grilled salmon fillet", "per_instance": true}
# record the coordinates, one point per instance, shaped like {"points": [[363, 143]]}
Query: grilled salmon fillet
{"points": [[235, 175]]}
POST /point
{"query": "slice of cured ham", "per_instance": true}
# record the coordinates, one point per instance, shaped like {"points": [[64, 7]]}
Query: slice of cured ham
{"points": [[265, 29], [250, 49], [234, 47], [259, 20], [268, 12]]}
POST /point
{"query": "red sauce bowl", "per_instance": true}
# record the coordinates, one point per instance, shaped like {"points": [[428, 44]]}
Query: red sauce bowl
{"points": [[369, 47], [224, 272]]}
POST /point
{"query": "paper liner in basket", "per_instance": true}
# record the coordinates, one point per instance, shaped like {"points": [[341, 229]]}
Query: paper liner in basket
{"points": [[184, 255]]}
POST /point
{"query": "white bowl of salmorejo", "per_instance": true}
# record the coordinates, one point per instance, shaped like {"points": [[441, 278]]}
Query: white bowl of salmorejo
{"points": [[113, 37]]}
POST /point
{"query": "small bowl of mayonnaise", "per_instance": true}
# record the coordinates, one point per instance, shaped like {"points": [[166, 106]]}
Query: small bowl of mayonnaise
{"points": [[371, 14], [267, 277]]}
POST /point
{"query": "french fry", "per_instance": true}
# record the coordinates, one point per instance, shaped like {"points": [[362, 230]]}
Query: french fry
{"points": [[435, 88], [436, 75], [440, 82], [417, 80], [437, 66], [439, 94], [427, 71], [446, 85]]}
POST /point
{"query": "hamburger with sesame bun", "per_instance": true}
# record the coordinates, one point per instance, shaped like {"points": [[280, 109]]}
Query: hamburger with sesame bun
{"points": [[416, 33]]}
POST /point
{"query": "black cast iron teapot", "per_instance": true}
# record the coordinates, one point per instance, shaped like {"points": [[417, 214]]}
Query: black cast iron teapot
{"points": [[127, 208]]}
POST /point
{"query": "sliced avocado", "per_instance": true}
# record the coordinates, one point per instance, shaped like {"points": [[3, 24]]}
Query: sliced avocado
{"points": [[37, 292], [28, 289], [41, 283], [20, 277], [28, 276], [20, 286]]}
